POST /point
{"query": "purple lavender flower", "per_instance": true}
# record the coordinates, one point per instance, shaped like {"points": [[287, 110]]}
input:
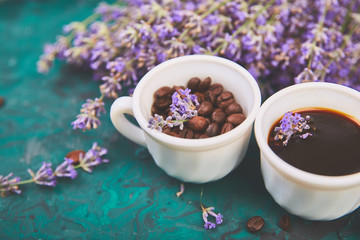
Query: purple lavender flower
{"points": [[205, 214], [101, 53], [66, 169], [183, 107], [184, 103], [290, 125], [175, 48], [52, 51], [208, 224], [109, 12], [111, 86], [44, 176], [93, 157], [306, 76], [8, 186], [157, 122], [218, 217], [90, 111]]}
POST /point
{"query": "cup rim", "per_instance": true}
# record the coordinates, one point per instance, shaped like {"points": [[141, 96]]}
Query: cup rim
{"points": [[193, 144], [300, 176]]}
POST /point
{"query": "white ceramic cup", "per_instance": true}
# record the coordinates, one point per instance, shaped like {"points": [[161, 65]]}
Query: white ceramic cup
{"points": [[301, 193], [190, 160]]}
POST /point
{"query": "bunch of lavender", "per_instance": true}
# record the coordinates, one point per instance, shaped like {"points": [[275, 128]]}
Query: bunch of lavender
{"points": [[291, 125], [183, 108], [47, 177], [280, 42]]}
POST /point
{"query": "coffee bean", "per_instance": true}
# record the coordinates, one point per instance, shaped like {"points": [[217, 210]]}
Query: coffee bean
{"points": [[163, 103], [284, 222], [166, 129], [211, 97], [216, 88], [236, 118], [204, 85], [200, 96], [218, 116], [155, 110], [197, 135], [225, 99], [193, 84], [233, 108], [75, 156], [197, 124], [255, 224], [205, 108], [208, 120], [212, 130], [226, 128], [176, 129], [226, 95], [186, 133], [2, 102], [163, 92], [174, 134], [177, 89], [203, 136]]}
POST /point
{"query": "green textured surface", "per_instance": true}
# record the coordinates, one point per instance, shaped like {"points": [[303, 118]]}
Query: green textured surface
{"points": [[130, 197]]}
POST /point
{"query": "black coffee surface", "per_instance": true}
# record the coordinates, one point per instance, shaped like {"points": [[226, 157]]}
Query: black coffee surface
{"points": [[332, 150]]}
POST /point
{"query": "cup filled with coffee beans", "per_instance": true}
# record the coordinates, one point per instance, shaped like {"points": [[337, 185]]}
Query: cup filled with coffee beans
{"points": [[195, 115], [309, 140]]}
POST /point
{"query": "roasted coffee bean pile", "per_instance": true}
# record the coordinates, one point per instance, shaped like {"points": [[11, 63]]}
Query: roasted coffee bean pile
{"points": [[218, 111]]}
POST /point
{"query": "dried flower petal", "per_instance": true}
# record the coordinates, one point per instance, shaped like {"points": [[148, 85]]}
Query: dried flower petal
{"points": [[182, 189]]}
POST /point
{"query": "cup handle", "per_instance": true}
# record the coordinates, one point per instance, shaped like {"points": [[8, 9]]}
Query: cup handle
{"points": [[119, 107]]}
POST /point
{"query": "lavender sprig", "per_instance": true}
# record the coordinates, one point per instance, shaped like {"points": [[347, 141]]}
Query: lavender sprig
{"points": [[89, 113], [47, 177], [205, 214], [290, 125], [183, 108]]}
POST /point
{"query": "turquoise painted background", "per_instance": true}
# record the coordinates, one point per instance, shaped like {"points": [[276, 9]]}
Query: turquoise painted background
{"points": [[128, 198]]}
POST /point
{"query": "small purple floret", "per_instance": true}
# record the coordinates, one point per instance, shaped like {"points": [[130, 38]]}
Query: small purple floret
{"points": [[8, 186], [290, 125], [44, 176], [66, 169], [93, 157], [205, 214], [90, 111], [183, 108]]}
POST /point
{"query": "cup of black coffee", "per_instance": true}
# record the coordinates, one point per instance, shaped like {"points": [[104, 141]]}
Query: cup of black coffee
{"points": [[309, 140]]}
